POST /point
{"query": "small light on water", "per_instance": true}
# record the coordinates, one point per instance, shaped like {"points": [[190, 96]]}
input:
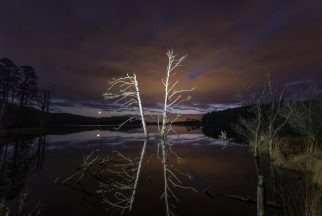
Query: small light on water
{"points": [[98, 135]]}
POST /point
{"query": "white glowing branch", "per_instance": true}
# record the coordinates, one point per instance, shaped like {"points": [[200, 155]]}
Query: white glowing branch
{"points": [[172, 96], [124, 91]]}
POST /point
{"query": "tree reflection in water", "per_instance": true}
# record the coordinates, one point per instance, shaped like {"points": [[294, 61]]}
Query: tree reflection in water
{"points": [[117, 177], [17, 161], [171, 176]]}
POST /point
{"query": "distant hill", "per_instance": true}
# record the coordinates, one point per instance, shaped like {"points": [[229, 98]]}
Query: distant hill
{"points": [[214, 122], [71, 119], [28, 117]]}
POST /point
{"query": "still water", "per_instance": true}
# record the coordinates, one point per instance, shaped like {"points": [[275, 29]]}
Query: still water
{"points": [[105, 172]]}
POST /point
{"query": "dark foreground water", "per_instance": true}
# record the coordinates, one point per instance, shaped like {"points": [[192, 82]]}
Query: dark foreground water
{"points": [[189, 174]]}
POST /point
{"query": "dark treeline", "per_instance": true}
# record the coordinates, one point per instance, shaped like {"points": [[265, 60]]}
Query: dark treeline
{"points": [[187, 122], [20, 95], [226, 120], [215, 122]]}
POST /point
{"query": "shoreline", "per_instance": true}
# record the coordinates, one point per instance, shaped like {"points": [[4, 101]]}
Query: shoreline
{"points": [[22, 131]]}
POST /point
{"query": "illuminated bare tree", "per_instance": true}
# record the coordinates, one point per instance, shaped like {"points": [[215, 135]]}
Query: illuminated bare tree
{"points": [[226, 141], [172, 96], [265, 120], [251, 128], [124, 91], [275, 120]]}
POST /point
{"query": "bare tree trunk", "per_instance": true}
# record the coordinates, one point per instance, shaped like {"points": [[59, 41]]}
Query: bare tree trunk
{"points": [[140, 107], [13, 96], [3, 107], [260, 178], [2, 110], [42, 121], [260, 196], [4, 159], [165, 106], [260, 188]]}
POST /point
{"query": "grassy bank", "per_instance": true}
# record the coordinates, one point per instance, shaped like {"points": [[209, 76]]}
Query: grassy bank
{"points": [[300, 192], [300, 154]]}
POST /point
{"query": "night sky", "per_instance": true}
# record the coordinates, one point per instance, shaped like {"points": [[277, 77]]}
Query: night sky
{"points": [[79, 45]]}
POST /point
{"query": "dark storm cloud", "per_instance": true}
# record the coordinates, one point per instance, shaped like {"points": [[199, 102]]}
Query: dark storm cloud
{"points": [[79, 45]]}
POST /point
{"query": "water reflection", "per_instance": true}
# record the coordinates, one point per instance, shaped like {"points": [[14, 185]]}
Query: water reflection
{"points": [[125, 184], [117, 176], [171, 177], [127, 173], [17, 160], [192, 128], [23, 206]]}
